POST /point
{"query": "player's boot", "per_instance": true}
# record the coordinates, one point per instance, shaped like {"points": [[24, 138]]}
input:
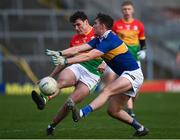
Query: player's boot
{"points": [[144, 132], [38, 100], [75, 111], [50, 130]]}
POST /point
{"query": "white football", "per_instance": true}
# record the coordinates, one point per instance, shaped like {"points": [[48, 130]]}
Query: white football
{"points": [[48, 86]]}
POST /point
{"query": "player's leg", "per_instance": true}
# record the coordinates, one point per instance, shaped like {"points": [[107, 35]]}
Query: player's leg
{"points": [[115, 110], [108, 77], [130, 103], [127, 81], [66, 78], [120, 85], [86, 81], [130, 107], [80, 92]]}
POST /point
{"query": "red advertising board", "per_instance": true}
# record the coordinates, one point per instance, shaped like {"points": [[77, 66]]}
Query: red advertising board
{"points": [[155, 86]]}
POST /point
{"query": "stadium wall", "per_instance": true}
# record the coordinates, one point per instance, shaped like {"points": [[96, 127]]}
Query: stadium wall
{"points": [[154, 86]]}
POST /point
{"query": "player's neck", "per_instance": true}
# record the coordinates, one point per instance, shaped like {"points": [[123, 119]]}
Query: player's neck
{"points": [[88, 30], [128, 20]]}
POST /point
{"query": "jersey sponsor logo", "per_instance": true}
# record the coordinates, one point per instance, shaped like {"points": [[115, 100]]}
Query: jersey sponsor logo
{"points": [[120, 27], [128, 27]]}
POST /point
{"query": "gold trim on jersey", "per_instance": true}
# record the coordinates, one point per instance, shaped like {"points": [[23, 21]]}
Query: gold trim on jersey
{"points": [[130, 37], [118, 50]]}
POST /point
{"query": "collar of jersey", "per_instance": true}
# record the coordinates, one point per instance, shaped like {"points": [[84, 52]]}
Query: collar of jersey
{"points": [[104, 35]]}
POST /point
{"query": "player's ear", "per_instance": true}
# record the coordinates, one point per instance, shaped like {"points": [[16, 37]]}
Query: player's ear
{"points": [[103, 26], [86, 21]]}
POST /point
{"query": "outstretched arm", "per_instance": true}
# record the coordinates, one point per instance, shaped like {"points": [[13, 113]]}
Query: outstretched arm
{"points": [[85, 56], [60, 60], [68, 52], [75, 50]]}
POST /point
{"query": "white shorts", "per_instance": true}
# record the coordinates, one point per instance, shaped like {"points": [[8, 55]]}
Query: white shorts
{"points": [[85, 76], [136, 78]]}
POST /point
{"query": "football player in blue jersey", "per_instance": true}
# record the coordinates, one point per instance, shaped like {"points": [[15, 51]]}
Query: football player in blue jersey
{"points": [[116, 55]]}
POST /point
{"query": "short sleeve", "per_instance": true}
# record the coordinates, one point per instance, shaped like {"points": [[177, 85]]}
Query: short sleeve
{"points": [[93, 42], [142, 32], [104, 46]]}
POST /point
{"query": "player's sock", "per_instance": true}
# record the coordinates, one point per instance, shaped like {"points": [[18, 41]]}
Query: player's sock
{"points": [[85, 111], [45, 98], [53, 125], [130, 112], [50, 129], [137, 125]]}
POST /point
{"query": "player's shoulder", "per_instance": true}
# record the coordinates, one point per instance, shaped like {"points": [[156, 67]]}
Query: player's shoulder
{"points": [[138, 22], [112, 37], [118, 21], [75, 36]]}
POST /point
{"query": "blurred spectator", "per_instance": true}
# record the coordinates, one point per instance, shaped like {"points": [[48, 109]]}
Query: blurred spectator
{"points": [[131, 31]]}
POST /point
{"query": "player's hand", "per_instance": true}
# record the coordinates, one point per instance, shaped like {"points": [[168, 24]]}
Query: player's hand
{"points": [[101, 68], [141, 54], [59, 60], [51, 53]]}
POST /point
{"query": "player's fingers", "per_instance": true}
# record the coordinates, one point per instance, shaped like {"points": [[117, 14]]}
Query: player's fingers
{"points": [[50, 52], [100, 69]]}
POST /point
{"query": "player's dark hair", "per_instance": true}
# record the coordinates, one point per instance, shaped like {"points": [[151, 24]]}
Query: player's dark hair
{"points": [[128, 2], [106, 20], [78, 15]]}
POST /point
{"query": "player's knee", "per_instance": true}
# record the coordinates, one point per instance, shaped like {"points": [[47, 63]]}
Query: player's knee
{"points": [[111, 112], [76, 98], [62, 82]]}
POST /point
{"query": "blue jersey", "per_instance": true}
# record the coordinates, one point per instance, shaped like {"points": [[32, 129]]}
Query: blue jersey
{"points": [[116, 53]]}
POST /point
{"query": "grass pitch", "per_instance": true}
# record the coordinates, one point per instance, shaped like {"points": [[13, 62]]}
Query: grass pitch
{"points": [[19, 119]]}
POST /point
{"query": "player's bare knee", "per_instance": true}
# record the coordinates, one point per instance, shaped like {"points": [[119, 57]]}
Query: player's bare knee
{"points": [[111, 112], [62, 82], [76, 98]]}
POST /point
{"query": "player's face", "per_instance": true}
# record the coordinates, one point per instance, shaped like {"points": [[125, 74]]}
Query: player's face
{"points": [[127, 11], [97, 27], [80, 26]]}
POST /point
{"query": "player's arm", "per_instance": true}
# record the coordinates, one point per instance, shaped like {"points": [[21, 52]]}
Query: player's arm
{"points": [[75, 50], [61, 60], [85, 56], [68, 52], [102, 67], [142, 42]]}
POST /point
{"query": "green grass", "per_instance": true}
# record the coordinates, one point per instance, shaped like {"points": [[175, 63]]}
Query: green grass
{"points": [[19, 118]]}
